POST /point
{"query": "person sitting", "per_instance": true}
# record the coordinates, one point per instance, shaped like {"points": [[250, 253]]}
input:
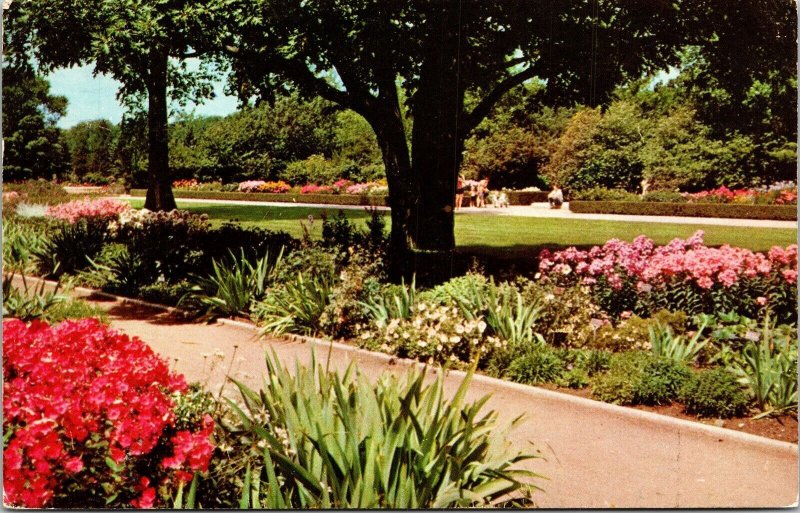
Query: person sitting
{"points": [[556, 197]]}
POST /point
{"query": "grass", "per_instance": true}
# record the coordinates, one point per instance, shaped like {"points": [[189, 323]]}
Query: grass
{"points": [[507, 235]]}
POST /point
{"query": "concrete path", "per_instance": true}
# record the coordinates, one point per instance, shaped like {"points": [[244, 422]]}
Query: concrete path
{"points": [[534, 210], [595, 455]]}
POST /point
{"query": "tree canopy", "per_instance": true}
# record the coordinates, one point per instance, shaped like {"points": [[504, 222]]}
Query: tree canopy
{"points": [[142, 44]]}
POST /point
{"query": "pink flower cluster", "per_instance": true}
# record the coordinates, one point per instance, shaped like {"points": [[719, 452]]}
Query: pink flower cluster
{"points": [[104, 209], [80, 394], [250, 185], [316, 189], [723, 194], [685, 260]]}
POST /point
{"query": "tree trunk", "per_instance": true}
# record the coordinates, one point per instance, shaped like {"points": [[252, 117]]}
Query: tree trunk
{"points": [[159, 191], [436, 142], [390, 133]]}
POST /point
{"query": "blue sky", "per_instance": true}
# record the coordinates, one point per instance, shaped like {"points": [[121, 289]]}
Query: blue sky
{"points": [[95, 97]]}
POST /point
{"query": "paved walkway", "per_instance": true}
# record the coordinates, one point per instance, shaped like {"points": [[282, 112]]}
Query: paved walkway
{"points": [[535, 210], [596, 455]]}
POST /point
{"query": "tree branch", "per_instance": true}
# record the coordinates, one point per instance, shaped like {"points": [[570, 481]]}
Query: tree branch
{"points": [[484, 107]]}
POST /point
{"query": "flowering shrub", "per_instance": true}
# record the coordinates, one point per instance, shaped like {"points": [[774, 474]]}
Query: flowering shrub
{"points": [[718, 278], [101, 209], [435, 334], [186, 184], [278, 187], [784, 194], [250, 185], [316, 189], [89, 419], [341, 185]]}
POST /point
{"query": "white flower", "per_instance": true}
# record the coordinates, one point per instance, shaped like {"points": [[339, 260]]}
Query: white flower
{"points": [[422, 343], [459, 329], [481, 326], [455, 339]]}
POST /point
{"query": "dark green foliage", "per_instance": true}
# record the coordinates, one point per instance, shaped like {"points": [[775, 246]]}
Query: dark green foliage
{"points": [[640, 378], [164, 293], [604, 194], [94, 153], [618, 384], [660, 382], [34, 146], [70, 248], [535, 365], [775, 212], [216, 243], [664, 197], [714, 393]]}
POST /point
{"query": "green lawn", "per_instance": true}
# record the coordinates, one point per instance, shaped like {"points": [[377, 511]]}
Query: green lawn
{"points": [[514, 236]]}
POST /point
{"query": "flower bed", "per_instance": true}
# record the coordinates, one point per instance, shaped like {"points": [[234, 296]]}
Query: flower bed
{"points": [[325, 199], [647, 208], [100, 210], [639, 275], [89, 419], [785, 194]]}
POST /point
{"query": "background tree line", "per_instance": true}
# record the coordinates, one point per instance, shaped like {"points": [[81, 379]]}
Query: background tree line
{"points": [[671, 132]]}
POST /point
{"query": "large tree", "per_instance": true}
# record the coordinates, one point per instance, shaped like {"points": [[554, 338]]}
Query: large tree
{"points": [[141, 43], [368, 54], [34, 147]]}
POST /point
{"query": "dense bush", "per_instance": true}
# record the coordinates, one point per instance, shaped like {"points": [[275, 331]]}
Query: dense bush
{"points": [[652, 208], [714, 393], [604, 194], [400, 444], [114, 439], [640, 378]]}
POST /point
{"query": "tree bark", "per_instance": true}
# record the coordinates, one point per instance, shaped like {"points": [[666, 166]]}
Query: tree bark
{"points": [[159, 191], [436, 140], [390, 134]]}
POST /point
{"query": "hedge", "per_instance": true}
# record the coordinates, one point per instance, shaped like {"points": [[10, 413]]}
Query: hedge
{"points": [[645, 208], [526, 197], [327, 199], [514, 197]]}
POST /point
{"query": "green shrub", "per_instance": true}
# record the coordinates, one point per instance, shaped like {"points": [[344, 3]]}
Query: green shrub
{"points": [[634, 332], [774, 212], [664, 197], [604, 194], [335, 440], [660, 382], [165, 293], [618, 384], [536, 365], [714, 393], [461, 286]]}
